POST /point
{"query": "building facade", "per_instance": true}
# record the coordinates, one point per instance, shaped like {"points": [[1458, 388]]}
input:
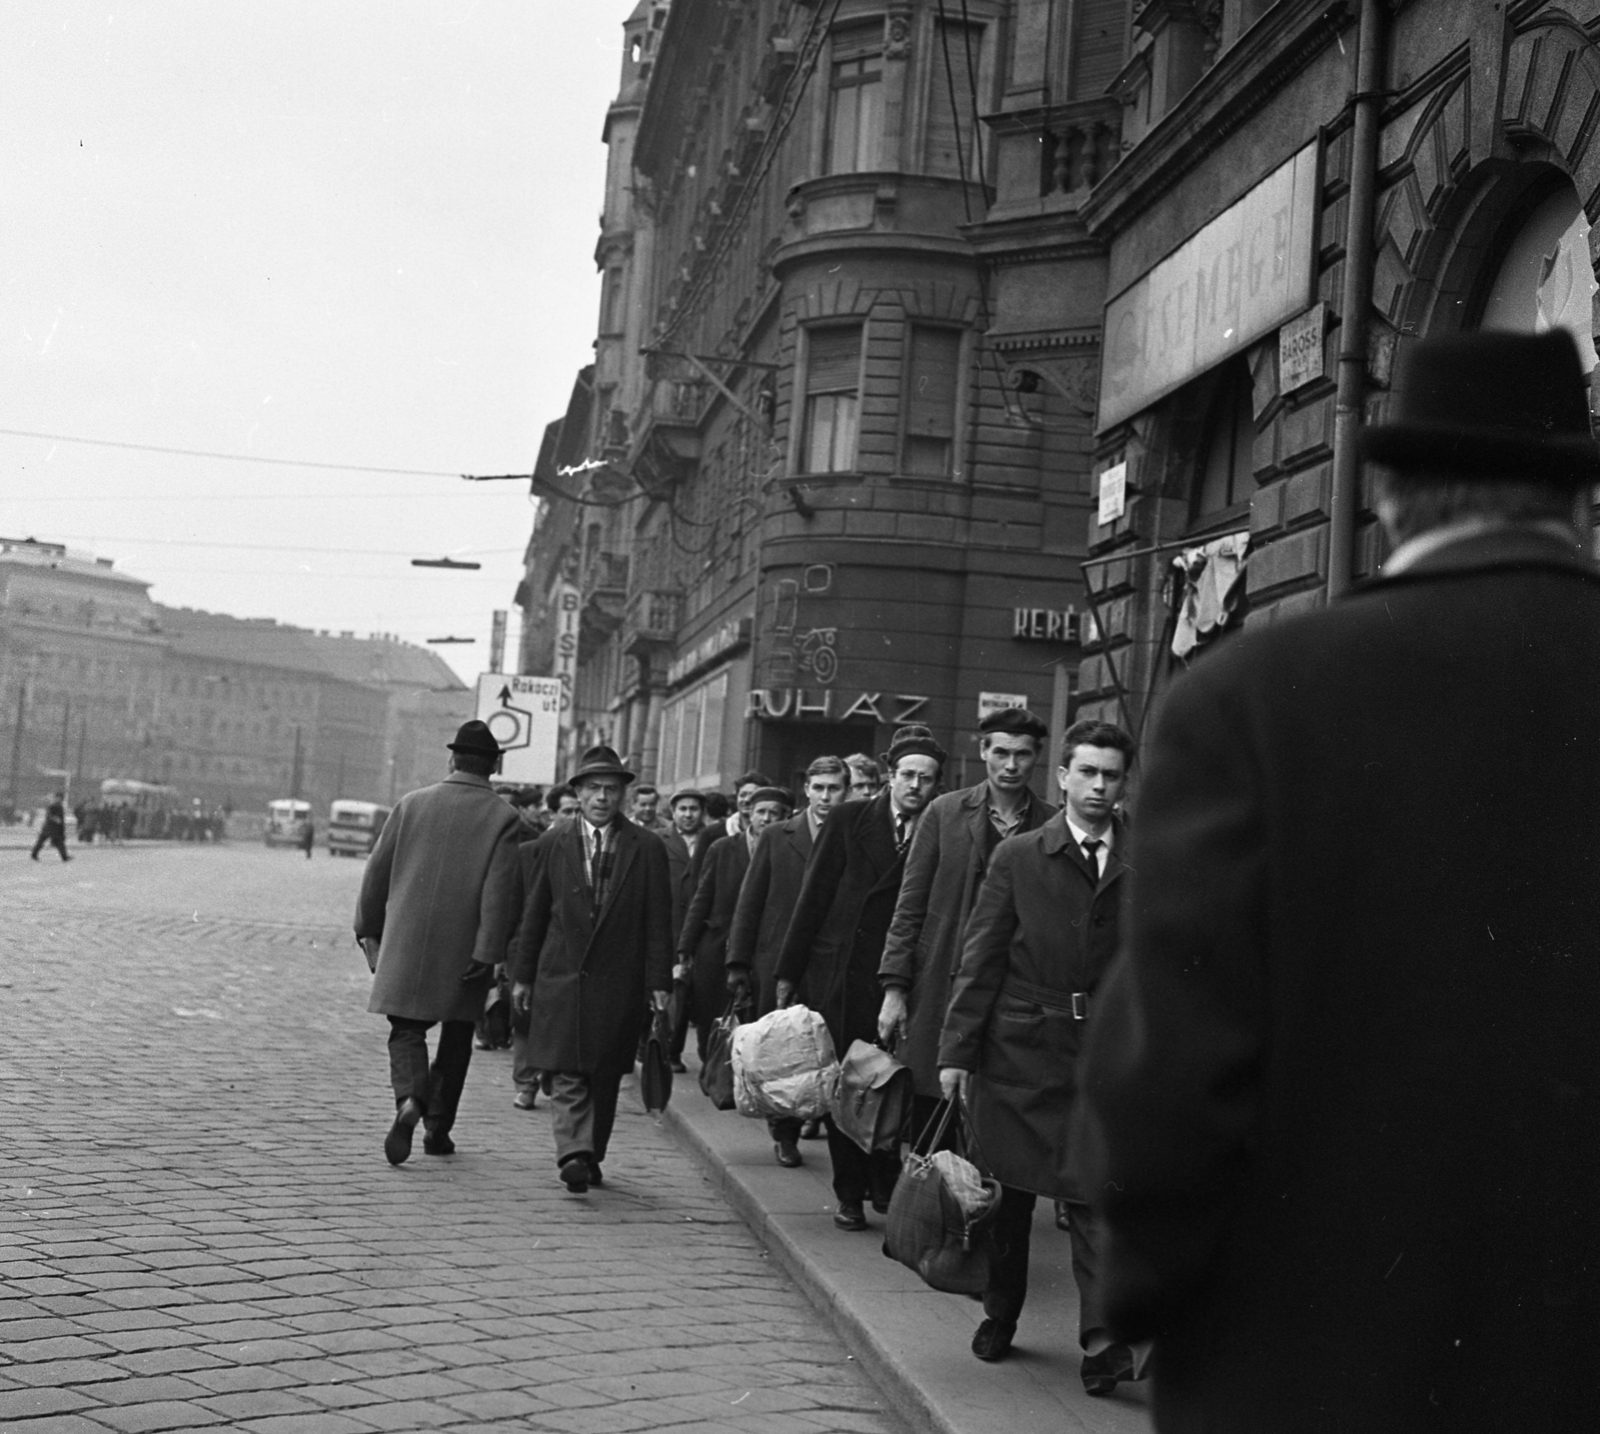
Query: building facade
{"points": [[817, 501], [1020, 347], [97, 681]]}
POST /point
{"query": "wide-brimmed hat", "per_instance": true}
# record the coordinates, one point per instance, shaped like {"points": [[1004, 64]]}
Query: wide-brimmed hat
{"points": [[913, 740], [475, 737], [1490, 406], [600, 762]]}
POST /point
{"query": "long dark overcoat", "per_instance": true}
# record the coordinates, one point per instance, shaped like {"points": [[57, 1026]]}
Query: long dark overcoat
{"points": [[835, 938], [1042, 931], [440, 892], [766, 902], [679, 864], [1343, 1088], [703, 942], [591, 976], [944, 868]]}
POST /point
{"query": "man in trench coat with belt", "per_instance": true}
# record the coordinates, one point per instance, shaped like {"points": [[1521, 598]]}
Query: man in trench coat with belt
{"points": [[438, 904], [1042, 934], [593, 953]]}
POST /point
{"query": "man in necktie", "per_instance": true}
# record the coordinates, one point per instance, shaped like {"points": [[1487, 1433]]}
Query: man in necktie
{"points": [[1042, 933], [595, 937], [834, 944]]}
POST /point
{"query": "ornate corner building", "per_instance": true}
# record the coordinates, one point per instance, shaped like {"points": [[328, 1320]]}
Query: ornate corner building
{"points": [[1018, 347]]}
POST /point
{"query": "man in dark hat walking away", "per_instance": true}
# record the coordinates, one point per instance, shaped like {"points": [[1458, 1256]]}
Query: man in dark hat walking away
{"points": [[593, 953], [944, 868], [437, 907], [1042, 933], [1342, 1087], [835, 938]]}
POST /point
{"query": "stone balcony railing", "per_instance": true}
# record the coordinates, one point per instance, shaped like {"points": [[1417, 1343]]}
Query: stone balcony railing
{"points": [[1055, 152], [652, 617]]}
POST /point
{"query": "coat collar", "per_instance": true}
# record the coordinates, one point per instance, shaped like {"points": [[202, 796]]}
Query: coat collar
{"points": [[1058, 842], [468, 779], [1485, 549], [797, 832]]}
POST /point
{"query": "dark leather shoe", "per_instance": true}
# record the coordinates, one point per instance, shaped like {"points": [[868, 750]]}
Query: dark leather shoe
{"points": [[438, 1142], [1063, 1219], [992, 1339], [850, 1215], [678, 1068], [811, 1130], [397, 1143], [574, 1174], [1102, 1372], [526, 1098], [788, 1154], [596, 1177]]}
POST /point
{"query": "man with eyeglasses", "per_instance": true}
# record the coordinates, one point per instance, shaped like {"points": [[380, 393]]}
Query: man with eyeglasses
{"points": [[835, 939]]}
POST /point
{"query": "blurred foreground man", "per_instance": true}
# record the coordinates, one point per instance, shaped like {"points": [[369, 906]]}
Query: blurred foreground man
{"points": [[1343, 1086], [830, 953], [438, 904], [54, 827], [1041, 936], [595, 938]]}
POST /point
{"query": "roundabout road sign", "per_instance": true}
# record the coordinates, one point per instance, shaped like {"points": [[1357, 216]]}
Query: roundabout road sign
{"points": [[523, 714]]}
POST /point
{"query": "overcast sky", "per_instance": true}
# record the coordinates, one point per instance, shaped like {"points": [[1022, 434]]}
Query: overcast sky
{"points": [[358, 232]]}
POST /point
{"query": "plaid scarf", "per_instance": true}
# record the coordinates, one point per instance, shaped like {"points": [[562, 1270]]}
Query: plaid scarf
{"points": [[598, 866]]}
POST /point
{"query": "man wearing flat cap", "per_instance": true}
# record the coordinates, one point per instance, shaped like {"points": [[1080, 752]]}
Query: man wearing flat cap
{"points": [[593, 953], [835, 938], [945, 865], [1342, 1088], [438, 905]]}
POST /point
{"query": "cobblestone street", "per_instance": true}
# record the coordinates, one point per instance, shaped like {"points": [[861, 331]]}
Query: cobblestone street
{"points": [[198, 1227]]}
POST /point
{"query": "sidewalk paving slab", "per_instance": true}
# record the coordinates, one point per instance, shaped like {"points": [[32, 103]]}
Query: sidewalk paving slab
{"points": [[913, 1341]]}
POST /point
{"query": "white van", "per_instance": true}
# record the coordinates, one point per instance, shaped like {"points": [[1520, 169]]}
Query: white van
{"points": [[284, 819], [353, 827]]}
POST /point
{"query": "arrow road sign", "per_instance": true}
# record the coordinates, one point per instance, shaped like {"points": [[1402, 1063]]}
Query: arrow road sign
{"points": [[523, 714]]}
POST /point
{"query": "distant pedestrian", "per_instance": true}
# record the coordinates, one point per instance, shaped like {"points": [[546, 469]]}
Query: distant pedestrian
{"points": [[866, 777], [834, 944], [436, 910], [54, 827], [767, 901], [732, 821], [593, 954], [1342, 1087], [955, 841], [646, 812], [1041, 935], [308, 836]]}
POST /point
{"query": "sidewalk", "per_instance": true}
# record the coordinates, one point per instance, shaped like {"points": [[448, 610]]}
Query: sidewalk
{"points": [[912, 1340]]}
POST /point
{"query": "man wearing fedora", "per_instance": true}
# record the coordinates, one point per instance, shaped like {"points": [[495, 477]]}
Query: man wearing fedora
{"points": [[1342, 1086], [438, 904], [831, 951], [593, 953]]}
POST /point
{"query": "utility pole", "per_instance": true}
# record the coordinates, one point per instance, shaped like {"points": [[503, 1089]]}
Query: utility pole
{"points": [[83, 735], [296, 772], [339, 791], [66, 729], [16, 740]]}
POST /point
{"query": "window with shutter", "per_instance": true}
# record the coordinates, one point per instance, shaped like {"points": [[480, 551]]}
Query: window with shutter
{"points": [[855, 101], [833, 399], [933, 370]]}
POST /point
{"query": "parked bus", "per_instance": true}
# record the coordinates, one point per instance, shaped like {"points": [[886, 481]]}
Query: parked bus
{"points": [[152, 802], [353, 827], [284, 818]]}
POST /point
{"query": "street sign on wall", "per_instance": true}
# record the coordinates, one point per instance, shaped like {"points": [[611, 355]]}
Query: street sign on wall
{"points": [[524, 716]]}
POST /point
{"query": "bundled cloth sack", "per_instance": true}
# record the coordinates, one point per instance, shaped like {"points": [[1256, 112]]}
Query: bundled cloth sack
{"points": [[872, 1100], [784, 1066]]}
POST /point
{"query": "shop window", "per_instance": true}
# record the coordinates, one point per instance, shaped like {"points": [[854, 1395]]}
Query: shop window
{"points": [[952, 129], [691, 735], [855, 100], [833, 400], [1223, 480], [933, 370], [1546, 280]]}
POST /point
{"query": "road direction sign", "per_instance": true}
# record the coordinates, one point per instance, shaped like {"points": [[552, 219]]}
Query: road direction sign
{"points": [[524, 714]]}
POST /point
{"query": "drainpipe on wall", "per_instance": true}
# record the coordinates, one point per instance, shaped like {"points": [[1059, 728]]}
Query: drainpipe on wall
{"points": [[1355, 301]]}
